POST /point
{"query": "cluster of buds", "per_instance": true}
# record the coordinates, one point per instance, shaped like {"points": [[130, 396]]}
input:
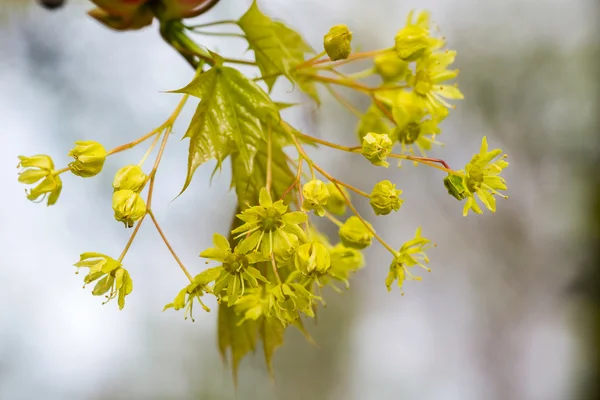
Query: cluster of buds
{"points": [[127, 203]]}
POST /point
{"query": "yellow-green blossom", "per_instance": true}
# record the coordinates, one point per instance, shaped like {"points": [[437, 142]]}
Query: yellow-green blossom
{"points": [[130, 177], [336, 204], [481, 178], [263, 223], [390, 67], [376, 147], [413, 127], [353, 233], [414, 41], [411, 253], [128, 207], [89, 158], [315, 195], [344, 262], [427, 83], [40, 168], [195, 290], [288, 300], [115, 278], [337, 42], [236, 270], [385, 198], [312, 258]]}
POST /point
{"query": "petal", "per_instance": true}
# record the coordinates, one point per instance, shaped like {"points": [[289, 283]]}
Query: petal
{"points": [[264, 198], [221, 242], [295, 217], [449, 92], [31, 176], [215, 254], [248, 244]]}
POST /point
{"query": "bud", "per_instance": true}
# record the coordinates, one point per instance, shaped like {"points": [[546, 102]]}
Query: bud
{"points": [[128, 207], [345, 258], [390, 67], [178, 9], [454, 186], [312, 257], [376, 147], [130, 177], [355, 234], [384, 198], [122, 15], [89, 158], [336, 204], [337, 42], [315, 196], [36, 168]]}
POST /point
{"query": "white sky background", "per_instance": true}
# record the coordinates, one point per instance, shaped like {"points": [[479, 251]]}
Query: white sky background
{"points": [[56, 340]]}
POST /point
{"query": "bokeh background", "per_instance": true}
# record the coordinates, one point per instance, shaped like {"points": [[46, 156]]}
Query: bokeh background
{"points": [[510, 310]]}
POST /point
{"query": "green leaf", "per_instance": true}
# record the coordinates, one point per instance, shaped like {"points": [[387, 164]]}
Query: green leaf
{"points": [[229, 119], [272, 333], [277, 48], [240, 339]]}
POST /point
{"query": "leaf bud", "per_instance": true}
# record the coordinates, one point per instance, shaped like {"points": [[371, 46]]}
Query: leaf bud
{"points": [[384, 198], [376, 147], [336, 204], [337, 42], [128, 207], [355, 234], [89, 158], [130, 177], [315, 196], [312, 257]]}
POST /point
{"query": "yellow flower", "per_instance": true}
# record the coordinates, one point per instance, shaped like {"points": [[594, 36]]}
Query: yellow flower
{"points": [[36, 168], [337, 42], [481, 179], [413, 41], [411, 253], [89, 158], [427, 83]]}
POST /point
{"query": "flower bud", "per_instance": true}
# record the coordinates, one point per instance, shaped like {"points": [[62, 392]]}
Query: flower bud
{"points": [[315, 196], [390, 67], [345, 258], [337, 42], [455, 187], [89, 158], [36, 168], [376, 147], [312, 257], [128, 207], [130, 177], [178, 9], [384, 198], [122, 15], [355, 234], [336, 204]]}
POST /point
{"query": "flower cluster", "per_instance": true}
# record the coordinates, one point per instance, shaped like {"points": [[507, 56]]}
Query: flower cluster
{"points": [[273, 263]]}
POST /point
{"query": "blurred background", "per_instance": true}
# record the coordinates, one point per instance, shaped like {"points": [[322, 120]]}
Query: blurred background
{"points": [[510, 310]]}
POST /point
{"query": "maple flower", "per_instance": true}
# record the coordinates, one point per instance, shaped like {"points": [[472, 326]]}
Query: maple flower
{"points": [[265, 222], [431, 72], [481, 179], [412, 253], [236, 270]]}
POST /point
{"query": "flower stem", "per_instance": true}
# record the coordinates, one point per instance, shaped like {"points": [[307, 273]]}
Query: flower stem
{"points": [[337, 185], [214, 23], [429, 162], [149, 151], [164, 238], [131, 238], [343, 101]]}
